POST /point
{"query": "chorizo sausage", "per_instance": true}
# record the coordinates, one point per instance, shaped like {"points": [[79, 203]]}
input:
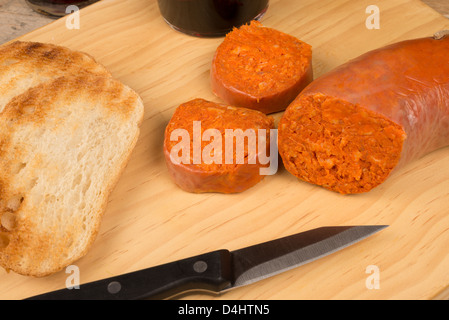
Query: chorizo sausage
{"points": [[260, 68], [350, 128], [204, 152]]}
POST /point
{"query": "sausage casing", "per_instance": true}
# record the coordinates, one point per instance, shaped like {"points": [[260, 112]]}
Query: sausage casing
{"points": [[351, 127], [224, 149], [261, 68]]}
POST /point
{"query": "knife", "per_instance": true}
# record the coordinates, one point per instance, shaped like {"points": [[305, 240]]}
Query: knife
{"points": [[221, 270]]}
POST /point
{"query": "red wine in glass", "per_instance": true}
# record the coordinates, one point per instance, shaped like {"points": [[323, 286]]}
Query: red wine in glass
{"points": [[56, 8], [210, 18]]}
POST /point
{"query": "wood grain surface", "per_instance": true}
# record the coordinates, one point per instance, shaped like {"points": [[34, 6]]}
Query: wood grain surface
{"points": [[17, 18], [150, 221]]}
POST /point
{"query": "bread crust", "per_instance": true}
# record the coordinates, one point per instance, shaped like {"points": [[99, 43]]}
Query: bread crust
{"points": [[64, 143], [24, 65]]}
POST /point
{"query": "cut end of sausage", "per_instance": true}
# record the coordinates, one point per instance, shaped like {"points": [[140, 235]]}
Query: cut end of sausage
{"points": [[340, 146], [261, 68]]}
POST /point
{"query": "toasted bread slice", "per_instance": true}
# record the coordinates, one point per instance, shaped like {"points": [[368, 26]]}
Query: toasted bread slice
{"points": [[63, 146], [26, 64]]}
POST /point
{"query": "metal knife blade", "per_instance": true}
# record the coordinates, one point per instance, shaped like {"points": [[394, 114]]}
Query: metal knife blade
{"points": [[221, 270], [264, 260]]}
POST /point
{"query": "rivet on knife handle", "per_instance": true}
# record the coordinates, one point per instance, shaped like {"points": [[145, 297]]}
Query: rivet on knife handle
{"points": [[207, 272], [221, 270]]}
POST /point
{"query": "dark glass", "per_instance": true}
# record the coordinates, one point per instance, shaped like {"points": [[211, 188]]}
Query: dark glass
{"points": [[210, 18], [56, 8]]}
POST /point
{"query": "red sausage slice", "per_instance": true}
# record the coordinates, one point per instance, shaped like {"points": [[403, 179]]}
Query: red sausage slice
{"points": [[205, 153], [261, 68]]}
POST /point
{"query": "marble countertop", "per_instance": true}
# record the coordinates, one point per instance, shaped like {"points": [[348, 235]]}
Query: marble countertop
{"points": [[16, 18]]}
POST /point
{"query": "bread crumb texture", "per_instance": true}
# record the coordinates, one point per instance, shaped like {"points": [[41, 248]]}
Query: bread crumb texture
{"points": [[64, 141]]}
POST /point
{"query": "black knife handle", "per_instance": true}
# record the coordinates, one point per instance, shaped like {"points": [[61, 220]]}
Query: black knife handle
{"points": [[210, 272]]}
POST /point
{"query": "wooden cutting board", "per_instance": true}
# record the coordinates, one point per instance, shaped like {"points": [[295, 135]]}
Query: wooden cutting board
{"points": [[149, 221]]}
